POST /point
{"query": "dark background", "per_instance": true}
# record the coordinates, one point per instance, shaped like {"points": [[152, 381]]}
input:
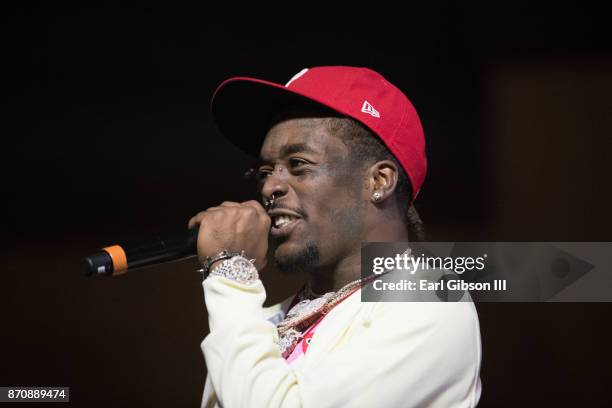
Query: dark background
{"points": [[107, 136]]}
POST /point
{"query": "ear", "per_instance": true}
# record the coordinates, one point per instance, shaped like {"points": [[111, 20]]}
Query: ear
{"points": [[382, 180]]}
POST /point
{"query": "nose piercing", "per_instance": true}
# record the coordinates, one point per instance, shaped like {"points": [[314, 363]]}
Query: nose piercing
{"points": [[269, 202]]}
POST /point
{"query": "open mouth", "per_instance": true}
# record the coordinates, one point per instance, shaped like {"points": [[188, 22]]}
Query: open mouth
{"points": [[283, 224]]}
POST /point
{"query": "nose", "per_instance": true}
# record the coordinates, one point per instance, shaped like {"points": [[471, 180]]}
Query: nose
{"points": [[275, 185]]}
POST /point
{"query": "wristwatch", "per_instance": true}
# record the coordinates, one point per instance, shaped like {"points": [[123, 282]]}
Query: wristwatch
{"points": [[237, 268], [207, 263]]}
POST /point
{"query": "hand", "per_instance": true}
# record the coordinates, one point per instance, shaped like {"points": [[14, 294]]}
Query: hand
{"points": [[234, 227]]}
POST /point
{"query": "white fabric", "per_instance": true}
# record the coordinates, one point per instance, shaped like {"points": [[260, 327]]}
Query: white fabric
{"points": [[383, 354]]}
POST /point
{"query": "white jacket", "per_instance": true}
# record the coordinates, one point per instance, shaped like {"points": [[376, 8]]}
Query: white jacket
{"points": [[381, 354]]}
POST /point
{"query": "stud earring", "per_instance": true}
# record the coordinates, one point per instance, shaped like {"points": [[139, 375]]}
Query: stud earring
{"points": [[376, 196]]}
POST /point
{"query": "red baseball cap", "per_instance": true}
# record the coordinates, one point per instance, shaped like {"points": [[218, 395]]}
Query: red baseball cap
{"points": [[243, 108]]}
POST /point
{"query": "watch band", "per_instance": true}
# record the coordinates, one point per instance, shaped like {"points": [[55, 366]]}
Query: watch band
{"points": [[237, 268], [217, 257]]}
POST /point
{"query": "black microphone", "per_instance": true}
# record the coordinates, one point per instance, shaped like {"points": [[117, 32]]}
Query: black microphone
{"points": [[118, 259]]}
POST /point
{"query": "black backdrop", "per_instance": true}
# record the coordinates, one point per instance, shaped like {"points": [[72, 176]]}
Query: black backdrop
{"points": [[107, 135]]}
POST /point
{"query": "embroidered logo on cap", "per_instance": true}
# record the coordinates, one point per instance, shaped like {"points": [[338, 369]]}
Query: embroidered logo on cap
{"points": [[296, 76], [369, 109]]}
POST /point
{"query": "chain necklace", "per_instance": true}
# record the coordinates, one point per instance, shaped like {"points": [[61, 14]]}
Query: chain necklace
{"points": [[308, 310]]}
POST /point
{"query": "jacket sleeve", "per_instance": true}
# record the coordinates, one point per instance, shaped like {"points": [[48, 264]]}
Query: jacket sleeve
{"points": [[408, 354]]}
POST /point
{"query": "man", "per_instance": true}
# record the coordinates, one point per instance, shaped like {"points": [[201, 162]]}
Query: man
{"points": [[342, 156]]}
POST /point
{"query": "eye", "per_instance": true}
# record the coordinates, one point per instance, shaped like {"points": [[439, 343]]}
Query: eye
{"points": [[262, 173], [297, 163]]}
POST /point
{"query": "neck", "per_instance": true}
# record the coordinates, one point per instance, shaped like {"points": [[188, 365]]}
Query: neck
{"points": [[348, 268], [332, 279]]}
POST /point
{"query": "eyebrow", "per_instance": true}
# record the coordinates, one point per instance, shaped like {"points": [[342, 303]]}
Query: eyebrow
{"points": [[297, 148], [291, 149]]}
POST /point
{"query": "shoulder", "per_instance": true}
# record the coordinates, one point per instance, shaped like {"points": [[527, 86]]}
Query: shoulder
{"points": [[447, 325]]}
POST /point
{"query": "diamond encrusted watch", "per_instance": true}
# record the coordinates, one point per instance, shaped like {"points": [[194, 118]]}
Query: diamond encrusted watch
{"points": [[237, 268], [225, 254]]}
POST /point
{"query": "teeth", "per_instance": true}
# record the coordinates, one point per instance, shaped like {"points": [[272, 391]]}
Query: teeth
{"points": [[281, 220]]}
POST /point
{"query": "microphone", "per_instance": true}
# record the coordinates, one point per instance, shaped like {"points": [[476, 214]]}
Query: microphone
{"points": [[118, 259]]}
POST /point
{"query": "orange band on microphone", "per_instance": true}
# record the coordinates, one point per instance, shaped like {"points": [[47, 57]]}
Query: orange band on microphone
{"points": [[117, 253]]}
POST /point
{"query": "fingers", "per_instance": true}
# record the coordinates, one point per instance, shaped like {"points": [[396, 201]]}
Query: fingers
{"points": [[195, 220], [229, 204], [257, 206], [259, 210], [233, 226], [251, 205]]}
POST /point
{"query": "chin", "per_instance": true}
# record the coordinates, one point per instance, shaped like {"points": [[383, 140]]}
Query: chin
{"points": [[286, 249], [292, 258]]}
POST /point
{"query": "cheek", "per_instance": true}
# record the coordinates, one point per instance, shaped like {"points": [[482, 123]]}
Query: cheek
{"points": [[346, 222], [332, 198], [337, 215]]}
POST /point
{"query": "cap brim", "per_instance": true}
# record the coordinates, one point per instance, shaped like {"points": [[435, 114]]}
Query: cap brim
{"points": [[243, 109]]}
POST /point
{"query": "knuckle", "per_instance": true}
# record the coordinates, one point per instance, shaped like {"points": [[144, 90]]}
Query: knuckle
{"points": [[213, 211], [250, 211]]}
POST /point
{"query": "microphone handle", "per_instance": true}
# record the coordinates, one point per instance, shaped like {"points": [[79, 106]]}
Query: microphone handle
{"points": [[118, 259]]}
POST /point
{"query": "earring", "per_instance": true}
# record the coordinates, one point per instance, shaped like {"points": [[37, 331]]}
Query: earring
{"points": [[376, 196]]}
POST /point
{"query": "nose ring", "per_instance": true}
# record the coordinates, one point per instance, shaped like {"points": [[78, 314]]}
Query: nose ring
{"points": [[269, 202]]}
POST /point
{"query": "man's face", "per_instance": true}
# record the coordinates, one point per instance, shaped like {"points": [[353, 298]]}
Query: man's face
{"points": [[318, 206]]}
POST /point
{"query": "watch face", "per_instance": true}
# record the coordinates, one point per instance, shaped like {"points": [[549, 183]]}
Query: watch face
{"points": [[241, 262], [238, 269]]}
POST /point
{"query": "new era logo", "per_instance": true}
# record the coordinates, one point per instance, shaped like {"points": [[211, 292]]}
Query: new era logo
{"points": [[369, 109]]}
